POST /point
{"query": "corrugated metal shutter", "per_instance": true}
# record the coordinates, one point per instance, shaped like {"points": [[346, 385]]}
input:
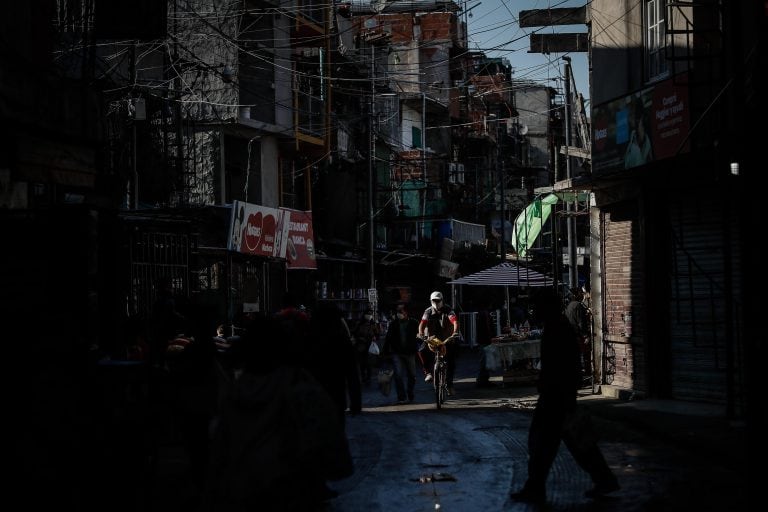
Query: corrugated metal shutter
{"points": [[623, 298], [704, 314]]}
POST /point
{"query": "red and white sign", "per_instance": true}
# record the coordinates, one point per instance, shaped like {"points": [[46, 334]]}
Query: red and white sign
{"points": [[273, 232], [300, 243]]}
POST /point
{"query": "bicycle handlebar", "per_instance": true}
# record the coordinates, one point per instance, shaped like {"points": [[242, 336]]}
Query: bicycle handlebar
{"points": [[433, 342]]}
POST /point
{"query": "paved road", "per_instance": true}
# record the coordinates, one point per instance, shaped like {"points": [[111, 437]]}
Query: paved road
{"points": [[468, 456], [472, 453]]}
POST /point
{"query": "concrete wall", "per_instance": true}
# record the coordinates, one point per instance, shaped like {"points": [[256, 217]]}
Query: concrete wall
{"points": [[617, 48], [270, 159], [533, 104], [206, 97]]}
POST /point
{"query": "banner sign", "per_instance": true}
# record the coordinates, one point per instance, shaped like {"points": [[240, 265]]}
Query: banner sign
{"points": [[300, 245], [647, 125], [273, 232]]}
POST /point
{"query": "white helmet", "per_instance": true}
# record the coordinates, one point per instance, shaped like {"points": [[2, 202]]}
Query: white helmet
{"points": [[436, 296]]}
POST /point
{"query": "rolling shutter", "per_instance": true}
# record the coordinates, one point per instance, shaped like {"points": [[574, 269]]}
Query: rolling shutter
{"points": [[704, 311]]}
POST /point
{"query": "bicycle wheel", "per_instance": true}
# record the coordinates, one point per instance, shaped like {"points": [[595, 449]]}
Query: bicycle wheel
{"points": [[437, 381], [443, 381]]}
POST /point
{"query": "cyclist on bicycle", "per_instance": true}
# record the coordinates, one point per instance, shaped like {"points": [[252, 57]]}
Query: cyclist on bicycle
{"points": [[439, 320]]}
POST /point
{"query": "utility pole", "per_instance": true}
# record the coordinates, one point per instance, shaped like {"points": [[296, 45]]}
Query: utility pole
{"points": [[561, 42], [573, 271], [500, 165], [420, 225], [133, 191], [371, 156]]}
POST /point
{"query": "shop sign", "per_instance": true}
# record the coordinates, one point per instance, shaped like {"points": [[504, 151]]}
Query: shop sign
{"points": [[273, 232], [300, 244]]}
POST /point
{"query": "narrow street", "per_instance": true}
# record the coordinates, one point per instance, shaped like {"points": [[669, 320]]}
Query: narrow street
{"points": [[471, 454], [468, 456]]}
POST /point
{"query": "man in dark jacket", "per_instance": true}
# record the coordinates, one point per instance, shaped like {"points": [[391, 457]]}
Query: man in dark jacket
{"points": [[401, 344], [332, 358], [557, 416], [580, 318]]}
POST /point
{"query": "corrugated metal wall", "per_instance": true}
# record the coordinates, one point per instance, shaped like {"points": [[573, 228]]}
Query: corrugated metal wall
{"points": [[704, 312]]}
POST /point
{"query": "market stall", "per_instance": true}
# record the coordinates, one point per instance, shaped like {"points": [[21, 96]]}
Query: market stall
{"points": [[507, 275], [516, 351], [516, 356]]}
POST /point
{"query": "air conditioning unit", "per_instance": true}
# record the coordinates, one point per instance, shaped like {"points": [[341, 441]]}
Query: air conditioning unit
{"points": [[455, 173], [451, 172], [460, 173]]}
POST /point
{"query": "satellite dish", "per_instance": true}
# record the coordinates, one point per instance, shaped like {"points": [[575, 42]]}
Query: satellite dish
{"points": [[523, 129], [378, 5]]}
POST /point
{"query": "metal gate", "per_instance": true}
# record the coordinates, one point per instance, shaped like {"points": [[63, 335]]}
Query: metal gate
{"points": [[704, 310], [152, 256]]}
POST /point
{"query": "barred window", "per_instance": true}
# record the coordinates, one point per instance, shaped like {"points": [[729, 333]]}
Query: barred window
{"points": [[655, 39]]}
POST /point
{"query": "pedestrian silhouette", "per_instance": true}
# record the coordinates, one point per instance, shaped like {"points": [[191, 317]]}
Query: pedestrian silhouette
{"points": [[166, 320], [293, 323], [557, 415], [332, 358], [483, 335], [401, 344], [365, 330], [578, 314], [276, 439]]}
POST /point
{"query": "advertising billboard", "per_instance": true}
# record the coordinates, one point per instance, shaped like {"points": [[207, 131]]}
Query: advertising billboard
{"points": [[644, 126], [273, 232]]}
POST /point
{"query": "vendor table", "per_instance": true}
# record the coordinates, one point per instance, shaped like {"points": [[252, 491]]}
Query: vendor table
{"points": [[518, 359]]}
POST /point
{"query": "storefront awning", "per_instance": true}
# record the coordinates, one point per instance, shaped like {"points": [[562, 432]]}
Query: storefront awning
{"points": [[529, 222]]}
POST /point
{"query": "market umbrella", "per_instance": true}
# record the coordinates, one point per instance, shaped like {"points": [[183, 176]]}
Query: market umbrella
{"points": [[505, 274]]}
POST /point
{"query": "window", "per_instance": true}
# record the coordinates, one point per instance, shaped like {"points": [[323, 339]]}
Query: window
{"points": [[416, 137], [313, 10], [655, 39]]}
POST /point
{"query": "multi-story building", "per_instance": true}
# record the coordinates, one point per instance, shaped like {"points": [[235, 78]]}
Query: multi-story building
{"points": [[412, 53], [672, 166], [405, 147], [161, 116]]}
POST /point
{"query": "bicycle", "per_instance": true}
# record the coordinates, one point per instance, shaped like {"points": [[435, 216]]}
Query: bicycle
{"points": [[439, 371]]}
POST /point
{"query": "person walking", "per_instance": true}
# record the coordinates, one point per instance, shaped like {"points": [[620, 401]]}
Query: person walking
{"points": [[332, 358], [439, 320], [401, 344], [293, 323], [277, 426], [579, 316], [165, 322], [364, 331], [557, 415], [483, 335]]}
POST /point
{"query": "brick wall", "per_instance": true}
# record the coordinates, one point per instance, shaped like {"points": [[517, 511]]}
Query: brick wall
{"points": [[624, 295]]}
